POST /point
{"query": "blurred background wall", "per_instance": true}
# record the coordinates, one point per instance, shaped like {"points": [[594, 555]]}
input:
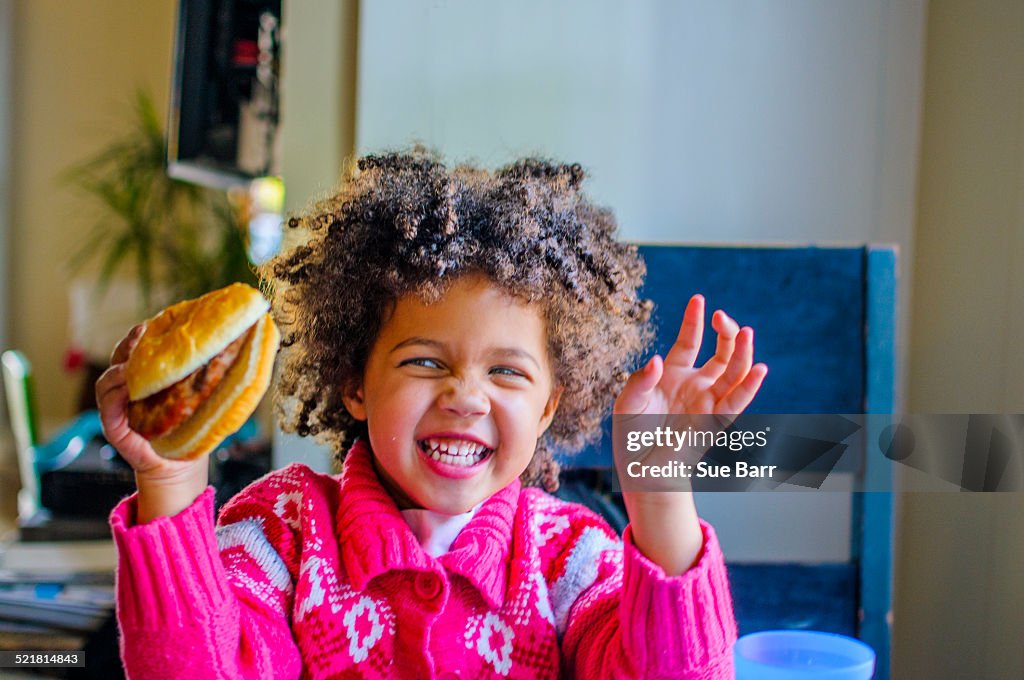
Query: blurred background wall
{"points": [[891, 120], [960, 582], [6, 93]]}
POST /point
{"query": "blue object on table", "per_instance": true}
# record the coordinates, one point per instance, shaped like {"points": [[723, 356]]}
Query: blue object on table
{"points": [[795, 654], [68, 442]]}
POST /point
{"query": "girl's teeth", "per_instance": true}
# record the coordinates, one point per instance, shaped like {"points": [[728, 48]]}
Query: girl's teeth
{"points": [[460, 453]]}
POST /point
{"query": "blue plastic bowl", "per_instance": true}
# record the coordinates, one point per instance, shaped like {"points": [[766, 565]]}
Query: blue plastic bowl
{"points": [[792, 654]]}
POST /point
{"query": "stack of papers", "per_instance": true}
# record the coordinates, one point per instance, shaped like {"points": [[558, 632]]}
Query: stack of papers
{"points": [[55, 594], [59, 558]]}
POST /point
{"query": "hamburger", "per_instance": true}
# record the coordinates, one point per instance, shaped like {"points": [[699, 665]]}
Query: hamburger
{"points": [[200, 369]]}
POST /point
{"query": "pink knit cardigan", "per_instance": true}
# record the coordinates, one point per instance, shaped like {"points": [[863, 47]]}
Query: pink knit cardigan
{"points": [[320, 577]]}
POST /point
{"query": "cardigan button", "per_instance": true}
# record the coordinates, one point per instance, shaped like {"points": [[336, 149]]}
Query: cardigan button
{"points": [[428, 586]]}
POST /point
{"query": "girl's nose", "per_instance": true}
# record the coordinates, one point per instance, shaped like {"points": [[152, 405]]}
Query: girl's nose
{"points": [[464, 398]]}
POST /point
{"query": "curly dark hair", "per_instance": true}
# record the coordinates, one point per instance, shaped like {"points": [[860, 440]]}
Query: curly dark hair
{"points": [[403, 223]]}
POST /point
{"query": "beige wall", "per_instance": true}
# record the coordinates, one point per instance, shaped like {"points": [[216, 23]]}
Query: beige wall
{"points": [[318, 95], [960, 581], [75, 66]]}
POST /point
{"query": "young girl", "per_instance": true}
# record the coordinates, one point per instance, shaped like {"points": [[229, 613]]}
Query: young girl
{"points": [[445, 330]]}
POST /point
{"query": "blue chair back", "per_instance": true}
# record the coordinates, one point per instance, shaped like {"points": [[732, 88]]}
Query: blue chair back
{"points": [[824, 320]]}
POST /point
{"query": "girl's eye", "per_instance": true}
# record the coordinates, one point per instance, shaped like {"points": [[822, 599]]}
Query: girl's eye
{"points": [[422, 362], [505, 371]]}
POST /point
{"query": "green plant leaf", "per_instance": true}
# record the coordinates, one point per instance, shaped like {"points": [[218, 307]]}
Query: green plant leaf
{"points": [[120, 248], [181, 238]]}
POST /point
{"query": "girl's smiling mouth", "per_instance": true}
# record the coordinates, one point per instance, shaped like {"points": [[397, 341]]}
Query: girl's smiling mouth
{"points": [[453, 456]]}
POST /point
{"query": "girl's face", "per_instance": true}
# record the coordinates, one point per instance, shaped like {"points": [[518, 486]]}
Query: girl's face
{"points": [[455, 395]]}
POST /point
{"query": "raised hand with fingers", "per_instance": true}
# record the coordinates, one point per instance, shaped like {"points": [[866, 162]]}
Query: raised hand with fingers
{"points": [[664, 524], [725, 384]]}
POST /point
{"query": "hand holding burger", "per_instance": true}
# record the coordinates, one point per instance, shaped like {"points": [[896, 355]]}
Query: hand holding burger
{"points": [[199, 370], [181, 383]]}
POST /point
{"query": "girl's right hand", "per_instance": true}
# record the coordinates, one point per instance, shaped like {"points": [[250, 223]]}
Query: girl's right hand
{"points": [[166, 486]]}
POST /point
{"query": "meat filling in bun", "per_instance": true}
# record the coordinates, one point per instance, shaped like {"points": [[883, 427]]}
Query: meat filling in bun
{"points": [[158, 414], [199, 370]]}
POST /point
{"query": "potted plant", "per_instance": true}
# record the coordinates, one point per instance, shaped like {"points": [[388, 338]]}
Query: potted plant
{"points": [[156, 240], [176, 240]]}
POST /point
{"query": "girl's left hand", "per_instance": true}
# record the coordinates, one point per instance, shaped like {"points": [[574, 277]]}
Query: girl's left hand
{"points": [[726, 384]]}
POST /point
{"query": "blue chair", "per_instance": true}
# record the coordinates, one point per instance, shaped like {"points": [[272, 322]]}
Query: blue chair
{"points": [[824, 320]]}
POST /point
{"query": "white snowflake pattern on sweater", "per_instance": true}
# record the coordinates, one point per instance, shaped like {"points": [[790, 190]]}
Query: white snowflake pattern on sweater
{"points": [[492, 639], [364, 627]]}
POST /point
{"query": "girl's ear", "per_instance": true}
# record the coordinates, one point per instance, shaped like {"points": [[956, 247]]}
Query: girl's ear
{"points": [[352, 397], [549, 409]]}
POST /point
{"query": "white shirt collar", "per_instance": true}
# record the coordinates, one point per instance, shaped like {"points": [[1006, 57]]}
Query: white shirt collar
{"points": [[434, 530]]}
